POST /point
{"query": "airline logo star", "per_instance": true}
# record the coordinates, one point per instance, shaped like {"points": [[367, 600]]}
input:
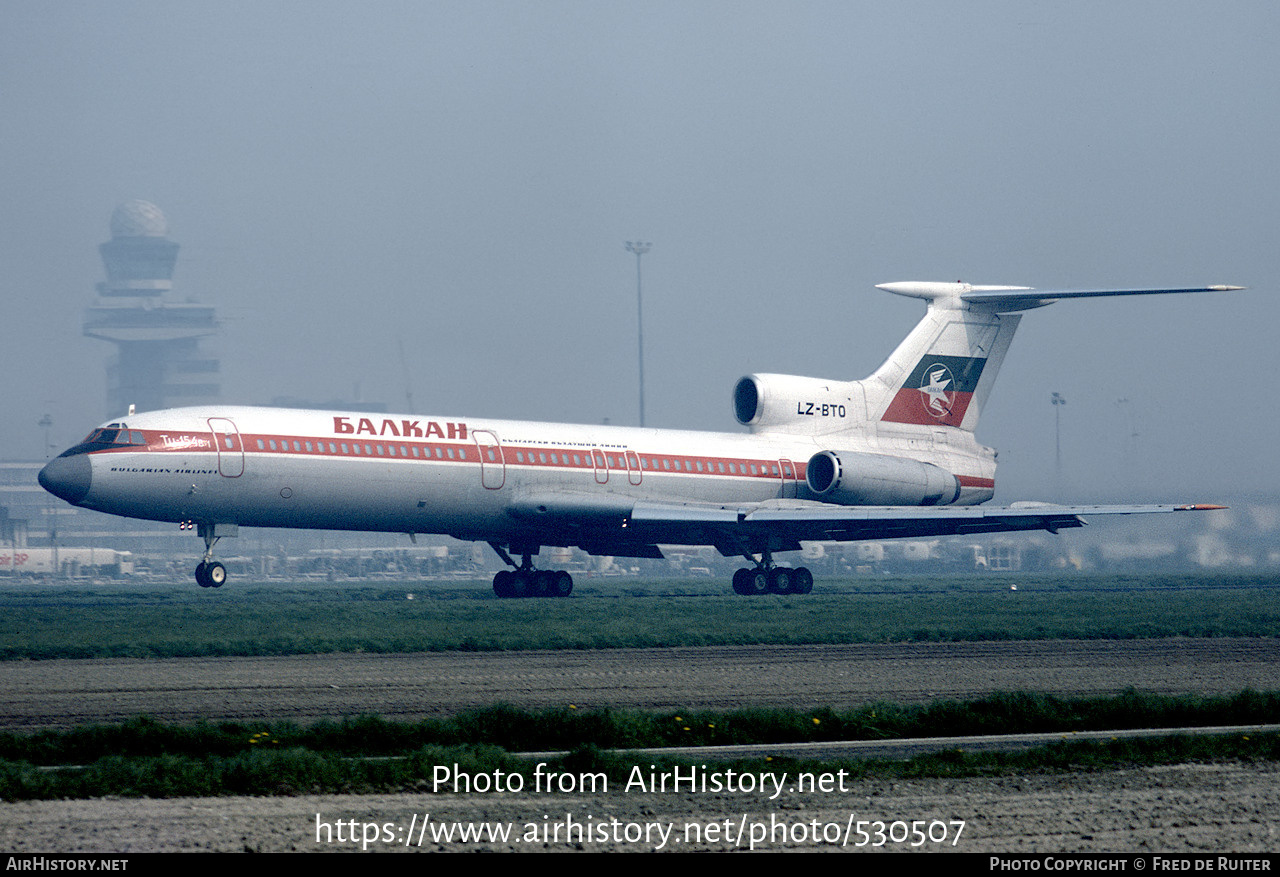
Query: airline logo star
{"points": [[936, 390]]}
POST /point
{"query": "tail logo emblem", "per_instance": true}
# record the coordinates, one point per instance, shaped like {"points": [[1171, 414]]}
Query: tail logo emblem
{"points": [[934, 393]]}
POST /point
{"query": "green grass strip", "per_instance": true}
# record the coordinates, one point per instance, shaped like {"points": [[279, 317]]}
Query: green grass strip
{"points": [[245, 620]]}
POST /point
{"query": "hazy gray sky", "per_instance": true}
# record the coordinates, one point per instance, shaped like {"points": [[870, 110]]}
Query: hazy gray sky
{"points": [[460, 177]]}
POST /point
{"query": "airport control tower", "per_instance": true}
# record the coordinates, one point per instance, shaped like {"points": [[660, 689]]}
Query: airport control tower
{"points": [[158, 361]]}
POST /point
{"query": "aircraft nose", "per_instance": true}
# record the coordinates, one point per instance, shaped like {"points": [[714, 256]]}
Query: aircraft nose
{"points": [[67, 477]]}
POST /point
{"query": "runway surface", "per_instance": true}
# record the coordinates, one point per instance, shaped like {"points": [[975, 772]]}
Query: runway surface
{"points": [[60, 693]]}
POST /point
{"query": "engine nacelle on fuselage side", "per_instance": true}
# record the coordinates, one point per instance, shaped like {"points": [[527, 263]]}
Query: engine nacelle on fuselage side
{"points": [[798, 405], [857, 478]]}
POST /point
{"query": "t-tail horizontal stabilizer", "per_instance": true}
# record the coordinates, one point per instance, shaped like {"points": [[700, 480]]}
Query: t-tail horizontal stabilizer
{"points": [[1013, 298]]}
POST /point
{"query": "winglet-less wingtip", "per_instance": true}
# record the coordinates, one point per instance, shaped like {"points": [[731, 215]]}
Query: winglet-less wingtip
{"points": [[1201, 507]]}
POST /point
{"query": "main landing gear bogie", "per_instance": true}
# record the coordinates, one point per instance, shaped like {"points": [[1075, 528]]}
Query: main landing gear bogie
{"points": [[752, 582], [525, 581], [532, 583]]}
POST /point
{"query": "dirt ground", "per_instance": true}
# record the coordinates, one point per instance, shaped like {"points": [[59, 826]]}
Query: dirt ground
{"points": [[408, 686], [1191, 808], [1207, 808]]}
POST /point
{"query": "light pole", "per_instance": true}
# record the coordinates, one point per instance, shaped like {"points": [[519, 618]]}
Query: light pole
{"points": [[640, 248], [1058, 402], [47, 423]]}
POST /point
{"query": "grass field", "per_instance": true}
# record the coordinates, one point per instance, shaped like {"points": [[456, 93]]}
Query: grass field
{"points": [[144, 757], [245, 618], [368, 754]]}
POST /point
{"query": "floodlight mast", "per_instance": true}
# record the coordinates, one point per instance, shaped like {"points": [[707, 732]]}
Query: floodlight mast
{"points": [[640, 248]]}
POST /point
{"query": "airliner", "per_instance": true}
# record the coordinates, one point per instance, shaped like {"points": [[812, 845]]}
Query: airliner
{"points": [[892, 455]]}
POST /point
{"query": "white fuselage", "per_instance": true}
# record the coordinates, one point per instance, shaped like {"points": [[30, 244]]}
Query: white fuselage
{"points": [[270, 467]]}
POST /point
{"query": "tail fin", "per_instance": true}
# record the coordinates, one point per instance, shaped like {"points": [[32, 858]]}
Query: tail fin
{"points": [[942, 373]]}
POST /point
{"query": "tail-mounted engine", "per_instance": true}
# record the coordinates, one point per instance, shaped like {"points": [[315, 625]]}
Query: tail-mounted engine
{"points": [[855, 478], [802, 405]]}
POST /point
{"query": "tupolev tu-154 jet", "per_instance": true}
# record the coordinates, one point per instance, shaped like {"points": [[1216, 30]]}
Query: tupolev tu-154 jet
{"points": [[892, 455]]}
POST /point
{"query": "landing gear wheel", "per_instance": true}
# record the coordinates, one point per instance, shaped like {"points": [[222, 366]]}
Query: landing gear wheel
{"points": [[801, 581], [542, 581], [520, 584], [561, 584], [751, 582], [502, 583], [779, 580], [216, 574], [211, 574]]}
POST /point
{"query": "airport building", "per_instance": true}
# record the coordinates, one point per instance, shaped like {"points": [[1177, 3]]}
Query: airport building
{"points": [[158, 362]]}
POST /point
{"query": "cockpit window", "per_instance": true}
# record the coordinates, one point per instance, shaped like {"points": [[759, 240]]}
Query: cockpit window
{"points": [[111, 436]]}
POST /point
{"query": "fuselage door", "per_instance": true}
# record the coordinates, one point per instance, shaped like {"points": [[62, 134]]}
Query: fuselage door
{"points": [[601, 464], [788, 472], [493, 463], [634, 475], [226, 438]]}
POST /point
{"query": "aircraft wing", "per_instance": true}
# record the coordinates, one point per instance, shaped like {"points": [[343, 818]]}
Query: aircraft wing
{"points": [[783, 524], [615, 524]]}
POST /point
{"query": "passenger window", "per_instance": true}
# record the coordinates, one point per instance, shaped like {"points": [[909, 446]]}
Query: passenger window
{"points": [[261, 446], [492, 456], [297, 446], [344, 447], [542, 457]]}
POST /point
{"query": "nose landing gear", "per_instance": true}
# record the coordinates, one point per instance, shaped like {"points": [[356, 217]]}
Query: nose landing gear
{"points": [[210, 573]]}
